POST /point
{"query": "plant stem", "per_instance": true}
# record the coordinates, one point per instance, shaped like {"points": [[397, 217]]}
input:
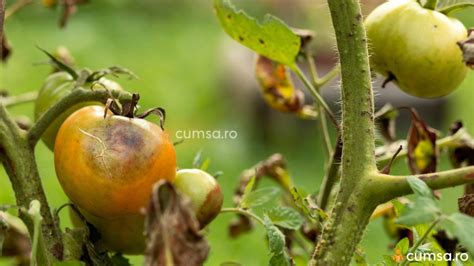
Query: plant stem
{"points": [[354, 205], [2, 20], [316, 95], [17, 6], [76, 96], [20, 164], [331, 177], [19, 99], [322, 119], [243, 212], [420, 241], [431, 4], [391, 186]]}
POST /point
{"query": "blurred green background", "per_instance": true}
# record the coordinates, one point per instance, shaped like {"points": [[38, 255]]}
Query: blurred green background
{"points": [[204, 80]]}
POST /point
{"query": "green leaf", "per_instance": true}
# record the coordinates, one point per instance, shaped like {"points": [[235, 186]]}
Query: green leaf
{"points": [[422, 210], [403, 245], [276, 244], [419, 187], [285, 217], [460, 226], [259, 197], [449, 6], [388, 261], [247, 190], [272, 38]]}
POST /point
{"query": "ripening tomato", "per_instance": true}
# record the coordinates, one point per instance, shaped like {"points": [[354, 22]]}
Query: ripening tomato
{"points": [[204, 192], [57, 86], [107, 166], [417, 47]]}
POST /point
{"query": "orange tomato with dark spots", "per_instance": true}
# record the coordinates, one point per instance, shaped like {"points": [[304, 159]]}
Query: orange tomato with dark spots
{"points": [[107, 166]]}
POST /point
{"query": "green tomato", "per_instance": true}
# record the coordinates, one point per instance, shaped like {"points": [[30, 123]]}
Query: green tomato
{"points": [[204, 192], [417, 46], [57, 86], [124, 234]]}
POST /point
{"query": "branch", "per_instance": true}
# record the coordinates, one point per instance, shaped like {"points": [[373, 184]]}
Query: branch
{"points": [[331, 177], [2, 20], [391, 186], [17, 6], [78, 95], [19, 99]]}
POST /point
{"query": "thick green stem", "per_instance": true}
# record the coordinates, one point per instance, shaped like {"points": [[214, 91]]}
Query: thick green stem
{"points": [[354, 204], [390, 186], [20, 164]]}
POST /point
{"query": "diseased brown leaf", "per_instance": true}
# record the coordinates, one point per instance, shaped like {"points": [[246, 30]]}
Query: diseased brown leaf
{"points": [[462, 154], [467, 48], [466, 204], [422, 150], [278, 90], [172, 231]]}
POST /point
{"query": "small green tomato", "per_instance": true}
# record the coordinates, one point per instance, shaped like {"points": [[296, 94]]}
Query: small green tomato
{"points": [[204, 192]]}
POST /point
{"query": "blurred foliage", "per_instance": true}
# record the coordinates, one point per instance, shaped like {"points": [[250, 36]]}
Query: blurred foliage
{"points": [[182, 58]]}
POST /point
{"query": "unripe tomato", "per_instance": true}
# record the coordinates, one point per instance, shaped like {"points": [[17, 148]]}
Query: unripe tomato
{"points": [[57, 86], [124, 234], [204, 192], [417, 46], [107, 166]]}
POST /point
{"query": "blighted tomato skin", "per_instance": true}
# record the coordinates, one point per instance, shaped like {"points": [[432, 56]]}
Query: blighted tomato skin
{"points": [[123, 234], [418, 46], [107, 167], [203, 190], [55, 87]]}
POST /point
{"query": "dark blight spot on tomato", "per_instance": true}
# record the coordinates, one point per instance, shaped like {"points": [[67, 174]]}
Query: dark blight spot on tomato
{"points": [[261, 41], [241, 38]]}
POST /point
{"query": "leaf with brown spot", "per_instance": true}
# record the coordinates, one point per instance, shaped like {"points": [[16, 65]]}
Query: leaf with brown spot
{"points": [[278, 90], [172, 231], [467, 48], [462, 154], [422, 150]]}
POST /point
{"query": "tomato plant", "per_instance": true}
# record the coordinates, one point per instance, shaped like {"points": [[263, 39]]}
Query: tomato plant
{"points": [[126, 196]]}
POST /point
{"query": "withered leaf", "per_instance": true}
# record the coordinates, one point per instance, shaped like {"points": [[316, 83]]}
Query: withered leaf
{"points": [[422, 150], [467, 48], [277, 88], [69, 8], [466, 204], [5, 50], [463, 154], [386, 119], [172, 231]]}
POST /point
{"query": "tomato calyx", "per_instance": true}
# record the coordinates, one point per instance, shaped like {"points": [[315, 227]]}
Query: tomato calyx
{"points": [[390, 77], [129, 109], [85, 75]]}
